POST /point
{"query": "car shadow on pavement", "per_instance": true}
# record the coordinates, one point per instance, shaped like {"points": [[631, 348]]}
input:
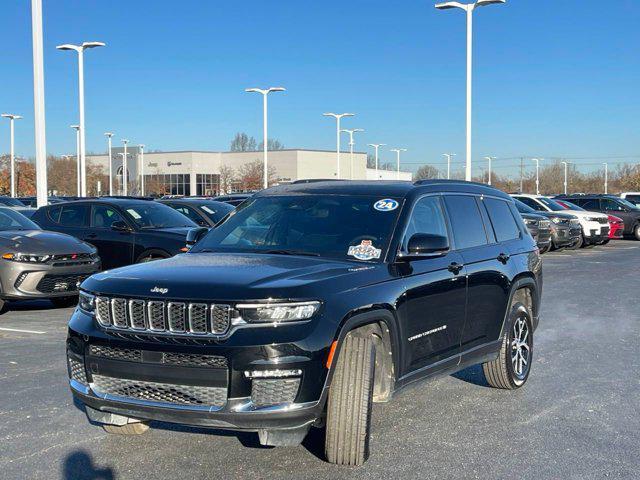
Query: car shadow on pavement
{"points": [[28, 306], [79, 466], [472, 374]]}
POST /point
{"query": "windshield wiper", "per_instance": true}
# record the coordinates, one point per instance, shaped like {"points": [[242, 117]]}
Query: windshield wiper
{"points": [[289, 252]]}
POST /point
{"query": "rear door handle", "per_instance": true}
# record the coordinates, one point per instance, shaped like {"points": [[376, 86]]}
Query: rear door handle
{"points": [[504, 258], [455, 267]]}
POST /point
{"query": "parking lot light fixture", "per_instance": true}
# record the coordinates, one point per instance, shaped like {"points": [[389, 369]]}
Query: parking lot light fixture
{"points": [[489, 172], [351, 145], [537, 160], [565, 176], [606, 178], [109, 135], [468, 8], [78, 174], [141, 153], [265, 147], [376, 146], [398, 150], [79, 49], [12, 154], [125, 179], [338, 117], [448, 155]]}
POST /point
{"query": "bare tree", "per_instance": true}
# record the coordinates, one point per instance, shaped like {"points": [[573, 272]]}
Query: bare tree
{"points": [[426, 172], [243, 143], [272, 144], [250, 175]]}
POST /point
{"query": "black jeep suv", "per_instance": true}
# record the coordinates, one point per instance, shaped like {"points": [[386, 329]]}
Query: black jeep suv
{"points": [[307, 304]]}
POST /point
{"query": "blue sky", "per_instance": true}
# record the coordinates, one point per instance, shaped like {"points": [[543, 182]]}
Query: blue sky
{"points": [[552, 77]]}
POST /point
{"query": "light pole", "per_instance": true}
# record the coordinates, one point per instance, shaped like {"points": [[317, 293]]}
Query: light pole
{"points": [[12, 154], [537, 160], [125, 178], [79, 49], [38, 104], [398, 150], [469, 8], [376, 146], [123, 189], [351, 145], [78, 174], [141, 152], [565, 176], [265, 94], [606, 178], [338, 117], [489, 177], [448, 155], [109, 135]]}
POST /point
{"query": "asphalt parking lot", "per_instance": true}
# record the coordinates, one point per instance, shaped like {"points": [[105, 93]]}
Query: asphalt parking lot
{"points": [[578, 416]]}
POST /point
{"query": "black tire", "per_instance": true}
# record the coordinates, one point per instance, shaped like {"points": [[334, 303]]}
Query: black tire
{"points": [[64, 302], [501, 372], [577, 244], [3, 304], [128, 429], [636, 231], [349, 404], [151, 255], [605, 241], [545, 249]]}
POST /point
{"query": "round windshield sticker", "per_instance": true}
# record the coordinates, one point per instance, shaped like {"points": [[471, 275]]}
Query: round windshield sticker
{"points": [[385, 205], [364, 251]]}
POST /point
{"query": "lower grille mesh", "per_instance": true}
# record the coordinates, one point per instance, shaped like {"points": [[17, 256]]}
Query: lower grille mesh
{"points": [[266, 392], [167, 358], [160, 392], [76, 371]]}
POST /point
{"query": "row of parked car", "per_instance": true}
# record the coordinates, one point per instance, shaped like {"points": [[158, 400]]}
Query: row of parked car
{"points": [[61, 244]]}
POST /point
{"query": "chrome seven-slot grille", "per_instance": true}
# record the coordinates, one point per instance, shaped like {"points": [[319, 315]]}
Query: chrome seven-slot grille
{"points": [[157, 316]]}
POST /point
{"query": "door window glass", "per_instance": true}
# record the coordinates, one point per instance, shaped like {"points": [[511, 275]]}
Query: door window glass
{"points": [[608, 204], [73, 215], [427, 217], [466, 221], [531, 203], [504, 225], [592, 204], [104, 216]]}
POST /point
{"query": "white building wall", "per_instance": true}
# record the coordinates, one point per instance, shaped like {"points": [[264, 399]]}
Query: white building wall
{"points": [[372, 174]]}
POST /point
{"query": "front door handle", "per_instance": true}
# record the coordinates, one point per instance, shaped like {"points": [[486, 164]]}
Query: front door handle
{"points": [[92, 235], [503, 257], [455, 267]]}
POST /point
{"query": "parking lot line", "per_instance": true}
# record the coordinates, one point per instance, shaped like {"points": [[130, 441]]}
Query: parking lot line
{"points": [[37, 332]]}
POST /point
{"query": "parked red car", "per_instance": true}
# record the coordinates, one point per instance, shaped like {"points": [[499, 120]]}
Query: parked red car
{"points": [[616, 227]]}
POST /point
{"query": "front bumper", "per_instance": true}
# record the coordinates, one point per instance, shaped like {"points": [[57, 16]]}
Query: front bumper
{"points": [[564, 235], [26, 280], [149, 388]]}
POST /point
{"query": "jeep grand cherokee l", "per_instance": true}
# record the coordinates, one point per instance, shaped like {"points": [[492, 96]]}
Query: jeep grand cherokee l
{"points": [[307, 304]]}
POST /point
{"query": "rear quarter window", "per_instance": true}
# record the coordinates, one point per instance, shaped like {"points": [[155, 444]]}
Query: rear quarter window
{"points": [[466, 221], [502, 220]]}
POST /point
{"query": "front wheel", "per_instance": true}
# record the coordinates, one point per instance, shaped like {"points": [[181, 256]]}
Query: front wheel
{"points": [[349, 404], [636, 232], [511, 369]]}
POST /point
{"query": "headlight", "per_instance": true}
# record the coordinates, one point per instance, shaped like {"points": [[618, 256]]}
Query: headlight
{"points": [[26, 257], [87, 302], [277, 312], [530, 222]]}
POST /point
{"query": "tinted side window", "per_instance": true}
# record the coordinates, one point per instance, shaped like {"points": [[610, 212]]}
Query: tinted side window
{"points": [[188, 212], [608, 204], [104, 216], [427, 217], [593, 204], [466, 221], [531, 202], [73, 215], [504, 225], [54, 214]]}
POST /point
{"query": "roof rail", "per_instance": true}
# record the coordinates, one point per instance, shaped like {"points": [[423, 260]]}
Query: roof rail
{"points": [[316, 180], [125, 197], [449, 182]]}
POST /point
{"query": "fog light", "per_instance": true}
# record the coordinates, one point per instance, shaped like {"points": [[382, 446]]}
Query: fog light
{"points": [[76, 370], [273, 373]]}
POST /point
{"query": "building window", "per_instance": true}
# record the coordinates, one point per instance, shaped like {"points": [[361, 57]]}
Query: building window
{"points": [[207, 184], [170, 184]]}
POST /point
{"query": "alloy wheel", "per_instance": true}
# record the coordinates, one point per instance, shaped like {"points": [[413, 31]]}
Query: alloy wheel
{"points": [[521, 348]]}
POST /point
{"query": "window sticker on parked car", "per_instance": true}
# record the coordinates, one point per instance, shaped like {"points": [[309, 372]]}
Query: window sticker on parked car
{"points": [[385, 205], [364, 251]]}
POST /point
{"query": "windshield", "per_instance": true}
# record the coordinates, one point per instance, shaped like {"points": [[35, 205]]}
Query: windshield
{"points": [[11, 202], [571, 206], [336, 226], [156, 215], [216, 210], [551, 204], [12, 220], [627, 203], [523, 208]]}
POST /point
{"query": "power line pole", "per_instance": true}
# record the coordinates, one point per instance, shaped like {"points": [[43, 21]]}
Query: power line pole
{"points": [[521, 173]]}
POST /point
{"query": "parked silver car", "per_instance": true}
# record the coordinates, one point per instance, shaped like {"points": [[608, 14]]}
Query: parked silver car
{"points": [[38, 264]]}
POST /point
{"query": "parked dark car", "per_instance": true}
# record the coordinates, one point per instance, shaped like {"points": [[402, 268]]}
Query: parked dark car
{"points": [[33, 201], [234, 199], [39, 264], [540, 229], [564, 228], [307, 304], [205, 213], [611, 205], [124, 230]]}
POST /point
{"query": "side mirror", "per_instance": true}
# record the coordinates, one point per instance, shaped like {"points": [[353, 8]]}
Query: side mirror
{"points": [[423, 244], [195, 234], [120, 226]]}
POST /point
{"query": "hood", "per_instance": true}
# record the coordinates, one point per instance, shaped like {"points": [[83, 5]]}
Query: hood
{"points": [[567, 216], [173, 231], [533, 216], [227, 276], [41, 242], [584, 215]]}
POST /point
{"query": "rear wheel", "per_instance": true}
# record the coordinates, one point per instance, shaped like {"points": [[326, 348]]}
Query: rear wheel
{"points": [[349, 404], [128, 429], [511, 369]]}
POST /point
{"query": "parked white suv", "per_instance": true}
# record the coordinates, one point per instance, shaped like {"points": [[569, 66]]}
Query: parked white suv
{"points": [[595, 226], [633, 197]]}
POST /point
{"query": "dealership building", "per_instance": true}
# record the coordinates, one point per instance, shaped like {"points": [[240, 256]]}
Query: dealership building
{"points": [[200, 173]]}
